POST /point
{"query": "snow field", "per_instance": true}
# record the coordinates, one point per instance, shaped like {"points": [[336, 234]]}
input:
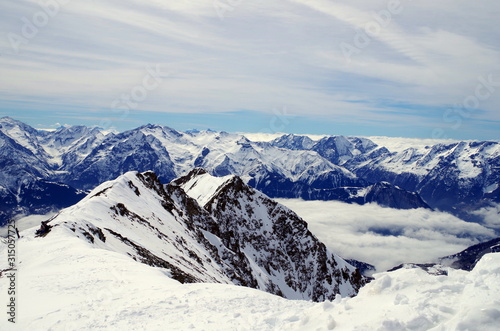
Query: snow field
{"points": [[66, 284]]}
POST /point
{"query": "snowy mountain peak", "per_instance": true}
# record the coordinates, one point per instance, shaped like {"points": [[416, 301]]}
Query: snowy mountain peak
{"points": [[294, 142], [284, 255], [202, 186], [151, 128], [9, 121], [22, 134]]}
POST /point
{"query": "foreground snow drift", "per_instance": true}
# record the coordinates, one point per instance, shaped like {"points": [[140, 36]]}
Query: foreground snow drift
{"points": [[67, 284]]}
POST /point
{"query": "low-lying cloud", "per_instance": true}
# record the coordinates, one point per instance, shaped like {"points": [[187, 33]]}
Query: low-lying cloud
{"points": [[387, 237], [490, 215]]}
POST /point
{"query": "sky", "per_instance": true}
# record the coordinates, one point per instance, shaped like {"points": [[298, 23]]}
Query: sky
{"points": [[427, 69]]}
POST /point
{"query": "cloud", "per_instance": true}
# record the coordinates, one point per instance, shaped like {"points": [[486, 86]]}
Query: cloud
{"points": [[256, 56], [490, 215], [387, 237]]}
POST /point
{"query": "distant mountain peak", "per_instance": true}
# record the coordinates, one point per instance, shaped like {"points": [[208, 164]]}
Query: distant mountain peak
{"points": [[8, 119]]}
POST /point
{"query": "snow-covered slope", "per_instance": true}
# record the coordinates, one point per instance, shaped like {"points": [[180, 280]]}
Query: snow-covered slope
{"points": [[135, 216], [24, 188], [399, 144], [239, 236], [70, 145], [66, 283], [84, 158], [171, 154]]}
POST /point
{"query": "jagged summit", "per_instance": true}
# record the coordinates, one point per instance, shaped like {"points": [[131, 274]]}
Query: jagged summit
{"points": [[202, 228], [165, 130], [202, 186], [250, 223]]}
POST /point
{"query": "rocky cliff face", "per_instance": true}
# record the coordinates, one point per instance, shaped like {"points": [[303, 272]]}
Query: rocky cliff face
{"points": [[285, 258]]}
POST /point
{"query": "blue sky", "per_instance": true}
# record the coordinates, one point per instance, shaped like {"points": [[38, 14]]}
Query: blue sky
{"points": [[425, 69]]}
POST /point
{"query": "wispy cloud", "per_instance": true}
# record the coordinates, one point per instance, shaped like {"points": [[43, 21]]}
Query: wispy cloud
{"points": [[261, 55]]}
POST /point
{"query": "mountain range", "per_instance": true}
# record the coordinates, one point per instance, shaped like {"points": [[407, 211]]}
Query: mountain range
{"points": [[39, 167]]}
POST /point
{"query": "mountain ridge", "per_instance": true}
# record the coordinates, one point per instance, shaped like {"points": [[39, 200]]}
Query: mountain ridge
{"points": [[239, 236]]}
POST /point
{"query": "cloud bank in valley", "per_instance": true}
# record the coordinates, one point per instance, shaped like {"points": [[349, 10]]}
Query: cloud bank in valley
{"points": [[387, 237], [490, 215]]}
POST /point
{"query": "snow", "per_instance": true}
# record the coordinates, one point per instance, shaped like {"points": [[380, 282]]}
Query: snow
{"points": [[162, 230], [81, 156], [399, 144], [266, 137], [411, 299], [256, 217], [236, 153], [66, 284], [22, 137], [490, 188], [261, 136], [203, 187], [394, 144], [412, 155], [135, 217]]}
